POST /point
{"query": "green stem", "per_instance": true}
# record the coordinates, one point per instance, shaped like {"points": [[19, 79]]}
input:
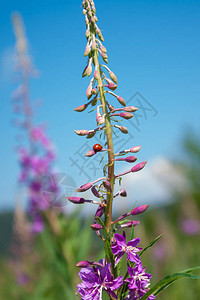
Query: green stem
{"points": [[108, 130]]}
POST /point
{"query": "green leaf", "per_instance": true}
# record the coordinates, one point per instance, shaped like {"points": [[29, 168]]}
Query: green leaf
{"points": [[150, 244], [165, 282]]}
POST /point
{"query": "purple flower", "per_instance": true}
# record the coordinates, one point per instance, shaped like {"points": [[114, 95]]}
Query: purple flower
{"points": [[97, 279], [190, 227], [120, 247], [37, 226], [138, 282], [22, 279]]}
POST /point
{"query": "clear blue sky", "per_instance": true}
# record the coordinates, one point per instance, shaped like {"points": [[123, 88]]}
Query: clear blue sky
{"points": [[153, 47]]}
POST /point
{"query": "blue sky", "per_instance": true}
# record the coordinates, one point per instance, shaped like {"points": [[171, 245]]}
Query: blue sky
{"points": [[153, 48]]}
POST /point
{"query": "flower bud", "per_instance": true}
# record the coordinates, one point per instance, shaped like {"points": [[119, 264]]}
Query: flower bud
{"points": [[84, 71], [90, 153], [122, 193], [96, 227], [89, 70], [93, 20], [86, 20], [112, 86], [129, 224], [83, 264], [121, 100], [123, 129], [101, 120], [87, 33], [96, 75], [91, 134], [107, 185], [111, 108], [103, 49], [76, 200], [81, 108], [138, 167], [81, 132], [135, 149], [94, 101], [104, 56], [130, 108], [87, 50], [98, 31], [84, 11], [94, 91], [100, 211], [95, 192], [95, 17], [126, 115], [129, 159], [89, 91], [94, 45], [90, 14], [84, 187], [138, 210], [113, 77]]}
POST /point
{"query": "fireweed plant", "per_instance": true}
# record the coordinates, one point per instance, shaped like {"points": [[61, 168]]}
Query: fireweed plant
{"points": [[37, 155], [49, 228], [102, 280]]}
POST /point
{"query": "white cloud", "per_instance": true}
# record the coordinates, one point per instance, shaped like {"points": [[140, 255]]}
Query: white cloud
{"points": [[153, 185]]}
